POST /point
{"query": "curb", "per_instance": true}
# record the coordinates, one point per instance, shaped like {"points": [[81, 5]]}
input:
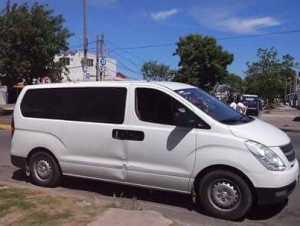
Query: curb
{"points": [[290, 130], [4, 126]]}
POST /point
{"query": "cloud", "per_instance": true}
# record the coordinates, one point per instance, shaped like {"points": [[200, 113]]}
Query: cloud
{"points": [[227, 19], [162, 15], [248, 25]]}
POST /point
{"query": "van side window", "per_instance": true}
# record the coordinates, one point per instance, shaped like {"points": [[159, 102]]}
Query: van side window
{"points": [[157, 107], [92, 104]]}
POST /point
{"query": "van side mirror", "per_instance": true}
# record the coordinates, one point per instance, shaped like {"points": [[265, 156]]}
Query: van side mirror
{"points": [[185, 118]]}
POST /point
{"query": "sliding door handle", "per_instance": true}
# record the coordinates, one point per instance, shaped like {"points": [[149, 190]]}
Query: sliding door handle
{"points": [[122, 134]]}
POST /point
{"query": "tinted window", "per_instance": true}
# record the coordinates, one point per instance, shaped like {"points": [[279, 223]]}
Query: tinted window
{"points": [[105, 105], [157, 107]]}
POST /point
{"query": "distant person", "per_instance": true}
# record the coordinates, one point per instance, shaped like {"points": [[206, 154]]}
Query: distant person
{"points": [[233, 103], [240, 106]]}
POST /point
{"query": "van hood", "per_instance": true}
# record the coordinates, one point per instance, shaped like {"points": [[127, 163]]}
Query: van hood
{"points": [[261, 132]]}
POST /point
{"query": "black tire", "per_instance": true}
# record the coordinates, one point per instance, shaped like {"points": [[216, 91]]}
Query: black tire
{"points": [[212, 200], [44, 159]]}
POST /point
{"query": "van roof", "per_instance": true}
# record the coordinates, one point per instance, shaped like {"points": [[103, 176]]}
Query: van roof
{"points": [[169, 85]]}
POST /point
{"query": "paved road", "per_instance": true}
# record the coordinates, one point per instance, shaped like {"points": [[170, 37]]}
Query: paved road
{"points": [[174, 206]]}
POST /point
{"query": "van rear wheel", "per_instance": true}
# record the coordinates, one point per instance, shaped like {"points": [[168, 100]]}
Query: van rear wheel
{"points": [[44, 169], [225, 194]]}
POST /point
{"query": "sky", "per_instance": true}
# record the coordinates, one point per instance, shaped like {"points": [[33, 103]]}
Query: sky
{"points": [[136, 31]]}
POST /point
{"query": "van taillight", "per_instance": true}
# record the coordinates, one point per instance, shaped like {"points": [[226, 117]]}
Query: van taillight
{"points": [[12, 126]]}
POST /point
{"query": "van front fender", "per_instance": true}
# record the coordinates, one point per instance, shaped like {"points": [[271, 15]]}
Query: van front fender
{"points": [[239, 159]]}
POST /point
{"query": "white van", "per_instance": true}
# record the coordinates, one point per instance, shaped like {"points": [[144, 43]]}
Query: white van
{"points": [[160, 135]]}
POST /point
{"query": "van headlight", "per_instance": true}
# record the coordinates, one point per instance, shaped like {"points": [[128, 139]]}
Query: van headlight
{"points": [[266, 156]]}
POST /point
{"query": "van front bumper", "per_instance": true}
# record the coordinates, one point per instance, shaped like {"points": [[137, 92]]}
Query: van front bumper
{"points": [[274, 195]]}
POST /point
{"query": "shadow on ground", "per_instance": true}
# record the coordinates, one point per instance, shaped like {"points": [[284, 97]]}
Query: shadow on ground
{"points": [[160, 197]]}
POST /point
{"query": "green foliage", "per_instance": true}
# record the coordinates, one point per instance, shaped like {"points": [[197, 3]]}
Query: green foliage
{"points": [[152, 70], [268, 75], [30, 37], [235, 82], [203, 62]]}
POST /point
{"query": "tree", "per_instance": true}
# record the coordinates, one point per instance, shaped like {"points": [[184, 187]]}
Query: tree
{"points": [[203, 62], [30, 37], [152, 70], [288, 72], [235, 82], [266, 77]]}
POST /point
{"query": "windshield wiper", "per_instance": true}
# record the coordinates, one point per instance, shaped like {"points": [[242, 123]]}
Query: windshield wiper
{"points": [[244, 118], [230, 120]]}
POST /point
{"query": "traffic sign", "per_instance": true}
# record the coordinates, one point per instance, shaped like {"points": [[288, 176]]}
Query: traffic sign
{"points": [[103, 61]]}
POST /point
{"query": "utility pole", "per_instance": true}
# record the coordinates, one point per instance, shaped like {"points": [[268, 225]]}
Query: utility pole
{"points": [[97, 58], [102, 60], [285, 91], [295, 82], [85, 39]]}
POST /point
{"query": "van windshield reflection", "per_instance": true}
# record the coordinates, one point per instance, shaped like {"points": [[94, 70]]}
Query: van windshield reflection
{"points": [[213, 107]]}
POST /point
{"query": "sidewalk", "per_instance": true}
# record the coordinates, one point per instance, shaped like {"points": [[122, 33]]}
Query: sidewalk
{"points": [[5, 121], [5, 116], [283, 117], [7, 108], [66, 208]]}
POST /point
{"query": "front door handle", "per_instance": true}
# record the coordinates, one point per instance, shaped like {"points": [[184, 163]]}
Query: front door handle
{"points": [[122, 134]]}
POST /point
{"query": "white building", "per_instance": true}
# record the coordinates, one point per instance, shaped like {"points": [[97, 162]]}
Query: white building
{"points": [[73, 62]]}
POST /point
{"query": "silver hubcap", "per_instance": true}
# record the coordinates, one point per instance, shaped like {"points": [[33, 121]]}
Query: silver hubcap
{"points": [[42, 169], [224, 195]]}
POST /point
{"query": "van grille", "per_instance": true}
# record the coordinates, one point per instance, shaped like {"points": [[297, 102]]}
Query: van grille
{"points": [[288, 151]]}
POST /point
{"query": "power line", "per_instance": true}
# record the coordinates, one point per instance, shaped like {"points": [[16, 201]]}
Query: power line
{"points": [[221, 38], [146, 46], [115, 72], [79, 46], [126, 67], [259, 35], [127, 59], [125, 51]]}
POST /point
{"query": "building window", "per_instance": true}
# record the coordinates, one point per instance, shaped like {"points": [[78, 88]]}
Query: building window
{"points": [[65, 60], [90, 62]]}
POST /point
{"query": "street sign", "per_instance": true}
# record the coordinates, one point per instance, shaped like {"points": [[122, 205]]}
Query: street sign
{"points": [[103, 61], [102, 68]]}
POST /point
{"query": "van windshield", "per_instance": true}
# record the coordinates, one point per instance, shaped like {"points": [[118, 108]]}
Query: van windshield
{"points": [[213, 107]]}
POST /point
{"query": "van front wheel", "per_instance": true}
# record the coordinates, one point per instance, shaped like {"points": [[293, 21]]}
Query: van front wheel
{"points": [[225, 194], [44, 169]]}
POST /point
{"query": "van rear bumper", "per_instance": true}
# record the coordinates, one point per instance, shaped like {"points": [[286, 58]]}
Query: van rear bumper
{"points": [[18, 161], [274, 195]]}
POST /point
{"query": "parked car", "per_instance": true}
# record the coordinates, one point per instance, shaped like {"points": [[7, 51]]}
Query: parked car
{"points": [[158, 135], [253, 104]]}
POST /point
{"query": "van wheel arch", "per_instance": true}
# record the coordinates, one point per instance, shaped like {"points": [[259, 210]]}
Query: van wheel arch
{"points": [[223, 167], [45, 150]]}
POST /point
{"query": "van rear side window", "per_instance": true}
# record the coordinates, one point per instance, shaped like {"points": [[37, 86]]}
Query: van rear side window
{"points": [[93, 104]]}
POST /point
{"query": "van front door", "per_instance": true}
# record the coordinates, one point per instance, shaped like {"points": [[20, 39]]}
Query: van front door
{"points": [[92, 114], [165, 157]]}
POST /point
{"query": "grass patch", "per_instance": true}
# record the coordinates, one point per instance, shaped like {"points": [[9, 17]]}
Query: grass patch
{"points": [[24, 207]]}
